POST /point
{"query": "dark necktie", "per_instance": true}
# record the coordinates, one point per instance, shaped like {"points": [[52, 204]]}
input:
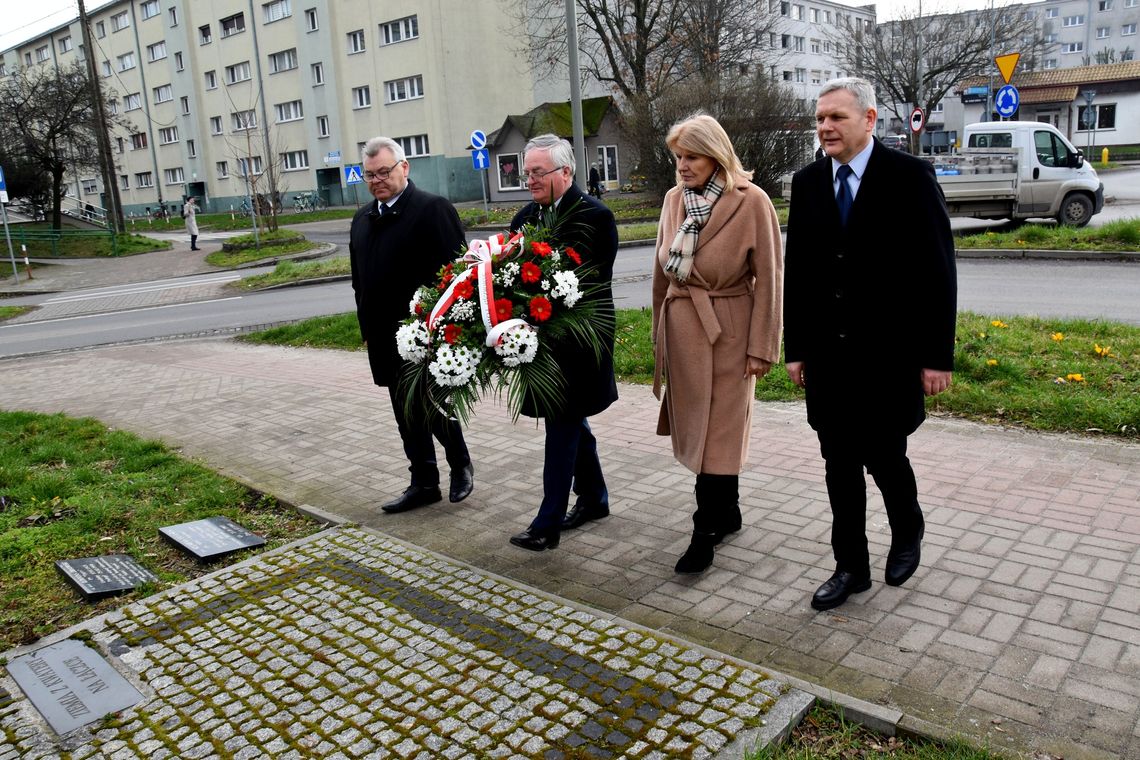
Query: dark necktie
{"points": [[385, 209], [843, 196]]}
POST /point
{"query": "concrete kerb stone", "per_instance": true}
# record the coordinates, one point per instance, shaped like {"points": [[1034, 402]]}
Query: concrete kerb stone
{"points": [[486, 664]]}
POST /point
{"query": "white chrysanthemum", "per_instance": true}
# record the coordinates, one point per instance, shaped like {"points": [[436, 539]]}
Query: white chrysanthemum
{"points": [[412, 341], [566, 288], [507, 274], [518, 345], [454, 365], [417, 299], [555, 257], [461, 311]]}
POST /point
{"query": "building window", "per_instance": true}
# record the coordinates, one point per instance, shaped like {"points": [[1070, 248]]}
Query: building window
{"points": [[167, 135], [211, 79], [815, 15], [120, 144], [252, 162], [163, 93], [356, 41], [416, 145], [132, 102], [276, 11], [1049, 63], [1050, 38], [239, 72], [1102, 32], [801, 75], [311, 19], [232, 25], [191, 149], [174, 16], [28, 59], [1104, 5], [222, 168], [157, 51], [242, 120], [107, 70], [100, 30], [149, 9], [1072, 47], [138, 141], [290, 111], [120, 21], [283, 61], [1130, 3], [126, 61], [322, 126], [797, 13], [1052, 12], [1077, 20], [509, 175], [1127, 30], [184, 101], [215, 125], [361, 97], [816, 46], [405, 89], [399, 30], [318, 73], [124, 182], [798, 44], [90, 186], [295, 160], [1106, 116], [65, 44], [204, 36], [144, 179], [173, 176]]}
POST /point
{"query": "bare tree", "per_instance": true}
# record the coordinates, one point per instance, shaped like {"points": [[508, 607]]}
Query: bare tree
{"points": [[46, 122]]}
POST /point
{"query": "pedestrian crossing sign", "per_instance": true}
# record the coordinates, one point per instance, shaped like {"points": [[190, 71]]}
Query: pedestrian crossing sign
{"points": [[353, 175]]}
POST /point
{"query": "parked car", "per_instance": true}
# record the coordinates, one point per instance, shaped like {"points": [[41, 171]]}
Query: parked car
{"points": [[901, 142]]}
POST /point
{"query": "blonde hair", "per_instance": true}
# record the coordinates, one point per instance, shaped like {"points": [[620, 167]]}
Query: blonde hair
{"points": [[702, 134]]}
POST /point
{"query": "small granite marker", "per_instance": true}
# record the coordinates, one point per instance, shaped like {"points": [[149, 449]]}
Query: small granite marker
{"points": [[71, 684], [98, 577], [210, 538]]}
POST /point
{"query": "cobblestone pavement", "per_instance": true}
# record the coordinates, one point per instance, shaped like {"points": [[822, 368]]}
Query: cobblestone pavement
{"points": [[351, 645], [1022, 628]]}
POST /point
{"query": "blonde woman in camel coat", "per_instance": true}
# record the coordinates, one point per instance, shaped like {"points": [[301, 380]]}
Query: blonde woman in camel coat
{"points": [[716, 320]]}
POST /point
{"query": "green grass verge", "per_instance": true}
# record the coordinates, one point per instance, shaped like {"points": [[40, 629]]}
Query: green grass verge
{"points": [[637, 231], [71, 488], [1120, 235], [824, 734], [75, 243], [226, 221], [7, 312], [246, 255], [296, 271], [1012, 374]]}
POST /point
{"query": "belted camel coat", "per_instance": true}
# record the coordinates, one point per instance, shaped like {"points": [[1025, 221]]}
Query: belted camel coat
{"points": [[705, 330]]}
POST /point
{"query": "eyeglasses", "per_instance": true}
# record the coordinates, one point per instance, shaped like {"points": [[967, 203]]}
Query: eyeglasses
{"points": [[531, 176], [384, 172]]}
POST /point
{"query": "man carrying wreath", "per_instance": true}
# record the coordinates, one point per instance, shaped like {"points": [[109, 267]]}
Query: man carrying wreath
{"points": [[571, 454], [397, 243]]}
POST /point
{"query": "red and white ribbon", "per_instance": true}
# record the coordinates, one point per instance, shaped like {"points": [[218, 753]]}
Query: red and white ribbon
{"points": [[480, 254]]}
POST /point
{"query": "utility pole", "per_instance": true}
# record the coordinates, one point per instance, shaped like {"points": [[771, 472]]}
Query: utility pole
{"points": [[102, 135], [576, 93]]}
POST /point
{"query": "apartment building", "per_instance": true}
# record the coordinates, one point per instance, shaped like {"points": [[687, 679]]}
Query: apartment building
{"points": [[214, 89], [808, 40]]}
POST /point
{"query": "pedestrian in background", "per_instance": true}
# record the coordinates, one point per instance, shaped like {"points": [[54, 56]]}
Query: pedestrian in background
{"points": [[717, 281], [190, 214]]}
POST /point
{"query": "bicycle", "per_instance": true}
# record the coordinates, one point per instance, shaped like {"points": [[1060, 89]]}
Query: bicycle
{"points": [[309, 202], [245, 208]]}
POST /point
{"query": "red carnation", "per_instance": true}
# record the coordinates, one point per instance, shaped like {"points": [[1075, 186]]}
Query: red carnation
{"points": [[540, 249], [503, 309], [540, 308], [531, 272], [464, 289], [451, 333], [574, 255], [419, 309]]}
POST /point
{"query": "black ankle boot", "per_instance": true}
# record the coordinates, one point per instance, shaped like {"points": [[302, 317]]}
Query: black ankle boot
{"points": [[718, 504], [698, 556]]}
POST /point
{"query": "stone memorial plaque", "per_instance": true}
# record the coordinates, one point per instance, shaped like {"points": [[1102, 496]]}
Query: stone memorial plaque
{"points": [[71, 684], [97, 577], [210, 538]]}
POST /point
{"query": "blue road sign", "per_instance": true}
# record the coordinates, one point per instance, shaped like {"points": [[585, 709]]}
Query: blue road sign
{"points": [[2, 185], [480, 159], [353, 175], [1007, 101], [478, 139]]}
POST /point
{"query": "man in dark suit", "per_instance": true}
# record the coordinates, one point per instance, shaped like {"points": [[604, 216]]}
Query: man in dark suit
{"points": [[869, 315], [397, 244], [571, 455]]}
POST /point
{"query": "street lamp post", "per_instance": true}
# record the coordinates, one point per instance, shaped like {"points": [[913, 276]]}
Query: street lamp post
{"points": [[1090, 119]]}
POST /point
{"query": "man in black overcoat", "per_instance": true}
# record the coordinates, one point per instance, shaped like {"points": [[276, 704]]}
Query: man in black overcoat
{"points": [[571, 454], [869, 314], [397, 243]]}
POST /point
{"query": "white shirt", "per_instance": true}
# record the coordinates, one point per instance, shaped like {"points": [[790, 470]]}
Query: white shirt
{"points": [[858, 165], [389, 203]]}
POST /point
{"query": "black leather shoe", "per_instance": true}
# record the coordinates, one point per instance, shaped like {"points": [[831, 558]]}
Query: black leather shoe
{"points": [[462, 481], [536, 541], [413, 496], [836, 589], [903, 561], [583, 513]]}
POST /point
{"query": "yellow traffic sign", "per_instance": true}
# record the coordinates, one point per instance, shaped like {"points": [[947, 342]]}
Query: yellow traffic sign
{"points": [[1006, 64]]}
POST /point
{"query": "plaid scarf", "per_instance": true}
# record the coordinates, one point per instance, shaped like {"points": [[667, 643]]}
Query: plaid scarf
{"points": [[698, 207]]}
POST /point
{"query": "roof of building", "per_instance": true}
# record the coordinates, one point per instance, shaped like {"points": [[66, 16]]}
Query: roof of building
{"points": [[1035, 95], [1076, 76], [555, 118]]}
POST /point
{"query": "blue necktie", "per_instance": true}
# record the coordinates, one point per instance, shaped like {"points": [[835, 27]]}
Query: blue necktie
{"points": [[843, 197]]}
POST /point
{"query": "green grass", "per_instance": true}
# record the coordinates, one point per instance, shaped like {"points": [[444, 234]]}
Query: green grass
{"points": [[1120, 235], [241, 256], [637, 231], [1021, 387], [824, 734], [7, 312], [71, 488], [296, 271], [75, 243]]}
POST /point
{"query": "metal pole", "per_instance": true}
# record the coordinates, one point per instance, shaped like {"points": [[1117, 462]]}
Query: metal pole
{"points": [[484, 178], [575, 92], [8, 237]]}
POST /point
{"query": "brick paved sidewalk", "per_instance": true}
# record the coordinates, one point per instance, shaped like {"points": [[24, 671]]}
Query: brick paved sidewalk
{"points": [[1021, 628]]}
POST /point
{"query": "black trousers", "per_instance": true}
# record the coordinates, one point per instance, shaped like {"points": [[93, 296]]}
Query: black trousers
{"points": [[570, 460], [883, 454], [418, 445]]}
